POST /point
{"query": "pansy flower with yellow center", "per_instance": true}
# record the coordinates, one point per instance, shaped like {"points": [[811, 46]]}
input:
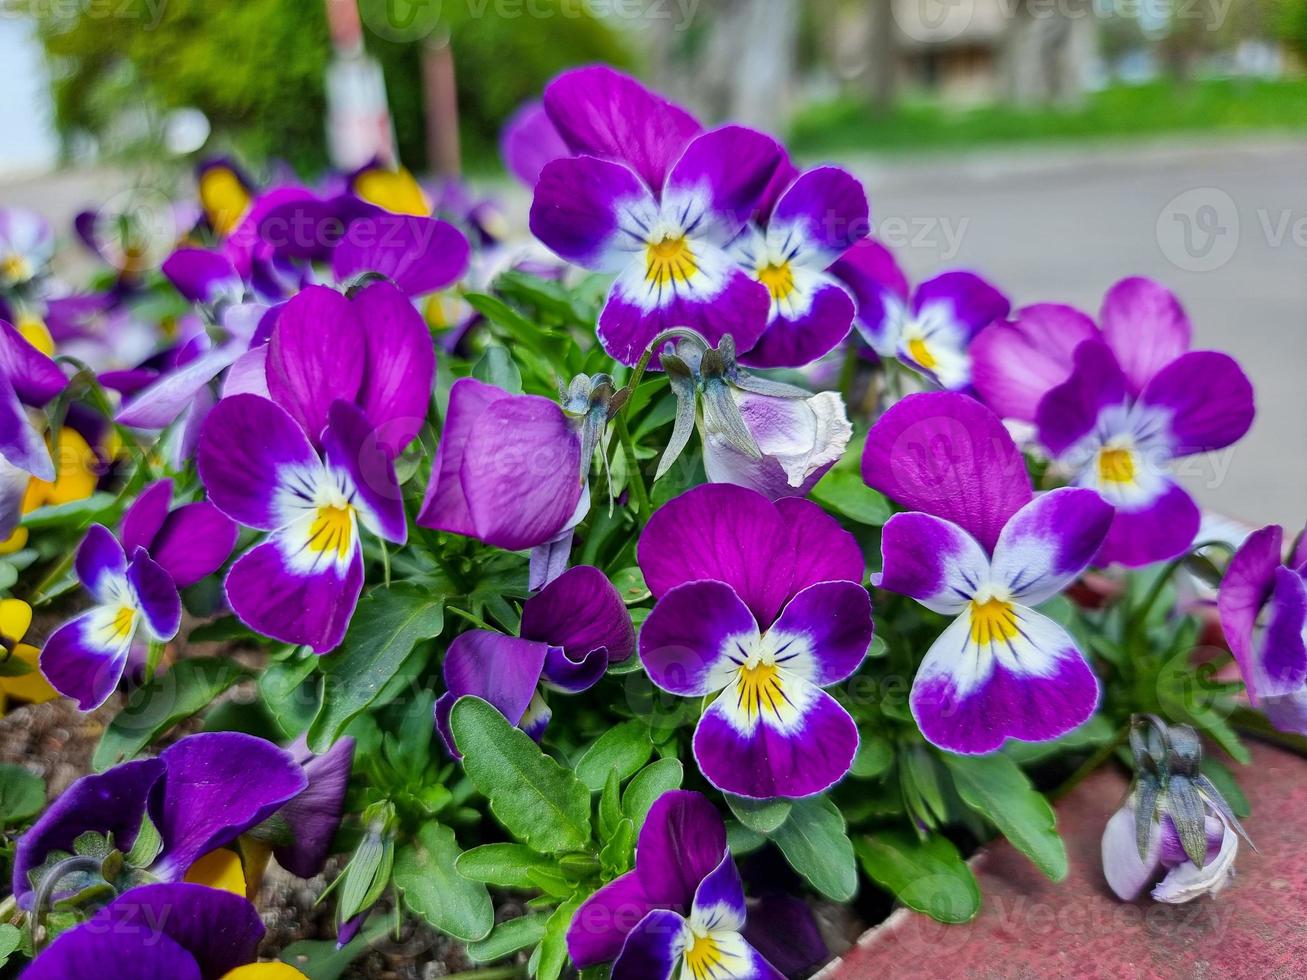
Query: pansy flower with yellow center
{"points": [[26, 246], [28, 379], [760, 605], [979, 546]]}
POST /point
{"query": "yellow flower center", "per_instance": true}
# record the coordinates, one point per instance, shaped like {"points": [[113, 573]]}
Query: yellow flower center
{"points": [[920, 353], [224, 198], [758, 689], [14, 268], [333, 530], [703, 957], [669, 260], [1116, 466], [992, 621], [779, 280], [123, 622]]}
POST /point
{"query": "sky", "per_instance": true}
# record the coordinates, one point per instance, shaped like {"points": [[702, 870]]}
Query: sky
{"points": [[27, 141]]}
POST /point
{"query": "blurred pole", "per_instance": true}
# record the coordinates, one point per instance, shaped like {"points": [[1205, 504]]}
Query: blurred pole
{"points": [[440, 99], [884, 56], [358, 118]]}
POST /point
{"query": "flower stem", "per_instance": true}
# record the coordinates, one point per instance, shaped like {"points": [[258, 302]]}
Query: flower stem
{"points": [[634, 477], [474, 620]]}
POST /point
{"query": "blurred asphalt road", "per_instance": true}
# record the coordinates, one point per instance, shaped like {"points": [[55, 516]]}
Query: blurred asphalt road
{"points": [[1222, 224]]}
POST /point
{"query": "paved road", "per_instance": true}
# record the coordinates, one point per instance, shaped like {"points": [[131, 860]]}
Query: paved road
{"points": [[1224, 225]]}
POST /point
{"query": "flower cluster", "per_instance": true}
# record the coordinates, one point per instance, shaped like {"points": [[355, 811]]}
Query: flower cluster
{"points": [[411, 514]]}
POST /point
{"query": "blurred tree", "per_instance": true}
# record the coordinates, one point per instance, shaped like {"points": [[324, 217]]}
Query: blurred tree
{"points": [[1291, 27]]}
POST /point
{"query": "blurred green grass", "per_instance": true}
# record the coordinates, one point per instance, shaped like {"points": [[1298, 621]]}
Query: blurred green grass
{"points": [[1117, 113]]}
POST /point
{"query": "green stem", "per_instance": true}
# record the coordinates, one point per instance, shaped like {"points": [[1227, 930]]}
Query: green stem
{"points": [[634, 477], [474, 620], [1100, 756], [54, 575]]}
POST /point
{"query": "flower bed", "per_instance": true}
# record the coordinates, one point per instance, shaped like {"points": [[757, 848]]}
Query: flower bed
{"points": [[608, 601]]}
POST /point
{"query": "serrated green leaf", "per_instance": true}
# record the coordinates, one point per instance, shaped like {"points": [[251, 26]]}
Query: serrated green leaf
{"points": [[153, 708], [623, 749], [427, 878], [814, 841], [385, 628], [996, 788], [926, 875], [763, 816], [508, 938], [648, 784], [22, 795], [534, 797], [505, 865]]}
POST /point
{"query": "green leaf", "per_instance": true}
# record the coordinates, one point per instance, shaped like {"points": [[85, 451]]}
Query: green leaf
{"points": [[291, 694], [875, 756], [321, 959], [843, 491], [622, 749], [1223, 779], [505, 865], [648, 784], [814, 842], [174, 695], [427, 878], [508, 938], [619, 853], [10, 937], [496, 367], [996, 788], [553, 945], [534, 797], [763, 816], [387, 625], [610, 806], [22, 795], [922, 785], [928, 876], [630, 584]]}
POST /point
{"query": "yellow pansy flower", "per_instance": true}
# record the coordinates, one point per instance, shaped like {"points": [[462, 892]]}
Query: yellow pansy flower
{"points": [[32, 687]]}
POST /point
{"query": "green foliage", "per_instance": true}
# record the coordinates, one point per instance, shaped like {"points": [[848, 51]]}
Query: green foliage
{"points": [[22, 795], [926, 875], [814, 841], [427, 877]]}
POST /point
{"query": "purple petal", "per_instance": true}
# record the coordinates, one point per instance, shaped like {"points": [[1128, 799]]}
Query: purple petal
{"points": [[604, 113], [654, 948], [824, 632], [604, 920], [582, 210], [681, 842], [1186, 881], [931, 560], [1013, 365], [217, 786], [503, 670], [1049, 542], [1209, 400], [202, 276], [156, 596], [84, 659], [528, 141], [1145, 326], [1127, 874], [249, 447], [1282, 666], [869, 270], [1248, 583], [35, 377], [969, 699], [144, 518], [695, 638], [823, 550], [720, 180], [445, 506], [418, 254], [720, 897], [580, 611], [162, 402], [548, 560], [272, 594], [827, 206], [20, 444], [1070, 412], [316, 356], [725, 300], [88, 951], [796, 743], [219, 930], [784, 931], [111, 803], [248, 374], [971, 302], [350, 446], [100, 560], [798, 340], [1162, 529], [194, 542], [948, 455], [401, 365], [314, 815]]}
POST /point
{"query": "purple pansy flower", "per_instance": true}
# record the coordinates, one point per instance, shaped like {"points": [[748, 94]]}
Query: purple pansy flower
{"points": [[1273, 656], [201, 793], [760, 604], [666, 241], [1181, 879], [683, 890], [528, 141], [26, 246], [1133, 401], [301, 584], [313, 815], [571, 631], [170, 549], [793, 253], [158, 932], [980, 546], [507, 470], [28, 379], [929, 329]]}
